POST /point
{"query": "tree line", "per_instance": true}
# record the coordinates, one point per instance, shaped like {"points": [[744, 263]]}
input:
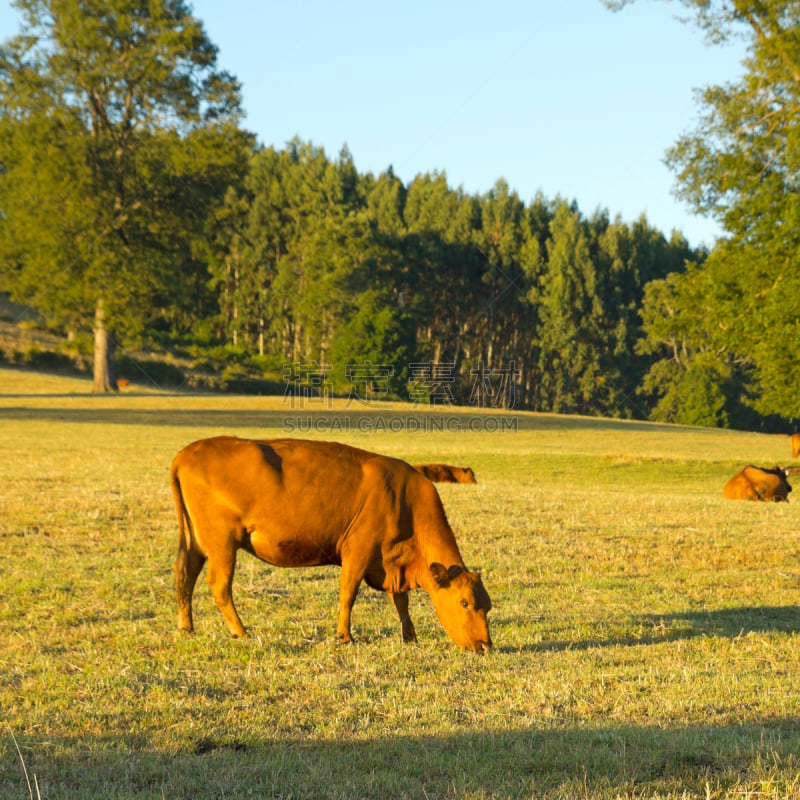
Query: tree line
{"points": [[332, 267], [134, 204]]}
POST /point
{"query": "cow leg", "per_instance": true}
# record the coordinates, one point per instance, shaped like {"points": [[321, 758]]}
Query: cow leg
{"points": [[348, 589], [400, 600], [187, 567], [220, 579]]}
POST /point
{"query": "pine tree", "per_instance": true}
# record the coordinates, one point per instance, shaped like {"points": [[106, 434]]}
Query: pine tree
{"points": [[140, 130]]}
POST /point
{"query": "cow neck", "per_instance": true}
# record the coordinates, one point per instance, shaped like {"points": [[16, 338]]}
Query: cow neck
{"points": [[430, 544], [433, 540], [437, 544]]}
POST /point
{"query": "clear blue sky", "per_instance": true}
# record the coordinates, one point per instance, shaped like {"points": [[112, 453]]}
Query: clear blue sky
{"points": [[561, 96]]}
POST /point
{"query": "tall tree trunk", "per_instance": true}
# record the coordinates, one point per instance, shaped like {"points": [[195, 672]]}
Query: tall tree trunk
{"points": [[105, 378]]}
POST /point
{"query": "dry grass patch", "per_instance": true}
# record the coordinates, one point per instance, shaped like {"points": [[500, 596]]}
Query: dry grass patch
{"points": [[646, 630]]}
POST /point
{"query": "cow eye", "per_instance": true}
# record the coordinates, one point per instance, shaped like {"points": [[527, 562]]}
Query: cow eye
{"points": [[464, 604]]}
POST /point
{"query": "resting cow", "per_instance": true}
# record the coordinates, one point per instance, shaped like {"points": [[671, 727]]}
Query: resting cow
{"points": [[794, 440], [444, 473], [295, 503], [758, 483]]}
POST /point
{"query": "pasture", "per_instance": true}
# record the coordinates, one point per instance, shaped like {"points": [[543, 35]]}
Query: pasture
{"points": [[646, 631]]}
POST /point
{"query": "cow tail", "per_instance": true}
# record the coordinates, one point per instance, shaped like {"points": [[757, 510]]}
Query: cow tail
{"points": [[184, 523]]}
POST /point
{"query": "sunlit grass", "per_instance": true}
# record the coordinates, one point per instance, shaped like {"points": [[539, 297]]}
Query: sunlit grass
{"points": [[646, 630]]}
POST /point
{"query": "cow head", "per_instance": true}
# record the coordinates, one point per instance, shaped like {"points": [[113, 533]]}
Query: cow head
{"points": [[785, 487], [461, 603]]}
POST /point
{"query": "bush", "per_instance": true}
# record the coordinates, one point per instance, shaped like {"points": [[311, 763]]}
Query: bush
{"points": [[44, 359], [156, 373], [378, 336]]}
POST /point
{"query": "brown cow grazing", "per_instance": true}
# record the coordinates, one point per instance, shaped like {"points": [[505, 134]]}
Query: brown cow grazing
{"points": [[794, 440], [444, 473], [295, 503], [758, 483]]}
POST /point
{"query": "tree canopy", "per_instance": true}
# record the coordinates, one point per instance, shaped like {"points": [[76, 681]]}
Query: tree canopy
{"points": [[118, 136], [332, 267], [132, 200], [741, 165]]}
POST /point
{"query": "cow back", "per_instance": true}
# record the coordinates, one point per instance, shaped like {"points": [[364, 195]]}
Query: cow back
{"points": [[446, 473], [758, 483]]}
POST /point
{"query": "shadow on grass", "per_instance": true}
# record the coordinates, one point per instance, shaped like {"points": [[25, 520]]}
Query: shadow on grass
{"points": [[727, 622], [211, 418], [601, 761], [359, 417], [723, 623]]}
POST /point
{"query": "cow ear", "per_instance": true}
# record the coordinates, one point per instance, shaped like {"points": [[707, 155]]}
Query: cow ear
{"points": [[454, 571], [440, 574], [444, 575]]}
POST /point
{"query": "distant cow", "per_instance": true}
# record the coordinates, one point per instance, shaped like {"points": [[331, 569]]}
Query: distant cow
{"points": [[758, 483], [794, 440], [445, 473], [295, 503]]}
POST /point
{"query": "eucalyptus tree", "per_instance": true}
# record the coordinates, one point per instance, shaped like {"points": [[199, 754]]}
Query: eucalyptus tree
{"points": [[690, 378], [570, 310], [740, 165], [499, 240], [628, 258], [308, 203], [440, 246]]}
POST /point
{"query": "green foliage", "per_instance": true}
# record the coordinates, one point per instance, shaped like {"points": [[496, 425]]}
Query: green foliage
{"points": [[126, 178], [740, 165], [118, 138], [150, 372], [694, 395], [695, 381], [457, 280], [378, 336], [570, 312]]}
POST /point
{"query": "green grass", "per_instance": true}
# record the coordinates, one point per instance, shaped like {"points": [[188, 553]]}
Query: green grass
{"points": [[646, 630]]}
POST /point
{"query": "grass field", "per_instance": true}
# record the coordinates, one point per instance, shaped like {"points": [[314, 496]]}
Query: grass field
{"points": [[646, 631]]}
